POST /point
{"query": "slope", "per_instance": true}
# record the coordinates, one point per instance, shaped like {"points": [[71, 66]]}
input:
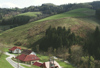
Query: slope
{"points": [[7, 21], [81, 21], [83, 12]]}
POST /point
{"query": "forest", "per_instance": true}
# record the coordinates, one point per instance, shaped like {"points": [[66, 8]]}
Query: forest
{"points": [[59, 37]]}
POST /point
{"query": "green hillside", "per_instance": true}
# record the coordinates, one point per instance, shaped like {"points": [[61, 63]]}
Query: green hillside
{"points": [[83, 12], [31, 14], [81, 21], [6, 24]]}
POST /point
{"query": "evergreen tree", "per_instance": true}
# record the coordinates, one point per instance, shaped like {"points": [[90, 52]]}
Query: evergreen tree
{"points": [[57, 37]]}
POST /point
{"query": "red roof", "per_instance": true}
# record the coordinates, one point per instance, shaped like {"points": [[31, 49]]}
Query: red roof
{"points": [[37, 64], [13, 48], [24, 57]]}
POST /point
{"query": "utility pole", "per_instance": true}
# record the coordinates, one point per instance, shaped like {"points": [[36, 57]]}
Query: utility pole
{"points": [[49, 62], [18, 57], [53, 62]]}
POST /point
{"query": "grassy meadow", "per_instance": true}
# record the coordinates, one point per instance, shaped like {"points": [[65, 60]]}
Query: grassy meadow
{"points": [[31, 14], [83, 12]]}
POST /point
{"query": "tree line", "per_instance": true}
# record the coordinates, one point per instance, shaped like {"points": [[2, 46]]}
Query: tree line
{"points": [[58, 37], [50, 8], [92, 46], [17, 20], [98, 13]]}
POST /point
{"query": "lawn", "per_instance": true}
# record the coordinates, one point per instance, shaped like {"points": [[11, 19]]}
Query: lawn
{"points": [[62, 64], [65, 65], [43, 58], [29, 67], [4, 63]]}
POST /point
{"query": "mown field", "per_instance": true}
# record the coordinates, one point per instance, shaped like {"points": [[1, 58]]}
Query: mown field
{"points": [[31, 14]]}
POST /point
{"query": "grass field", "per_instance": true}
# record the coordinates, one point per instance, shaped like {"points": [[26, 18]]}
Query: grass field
{"points": [[4, 63], [31, 14], [73, 13], [29, 67], [43, 58]]}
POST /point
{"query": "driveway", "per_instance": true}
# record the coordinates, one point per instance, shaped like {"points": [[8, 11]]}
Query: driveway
{"points": [[13, 63]]}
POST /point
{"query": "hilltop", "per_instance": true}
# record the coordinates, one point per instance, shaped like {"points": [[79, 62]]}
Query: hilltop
{"points": [[81, 21], [13, 17]]}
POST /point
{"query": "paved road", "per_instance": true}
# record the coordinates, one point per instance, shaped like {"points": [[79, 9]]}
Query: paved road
{"points": [[13, 63]]}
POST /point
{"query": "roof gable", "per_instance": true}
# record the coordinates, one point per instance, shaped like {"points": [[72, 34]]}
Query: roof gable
{"points": [[13, 48], [37, 64]]}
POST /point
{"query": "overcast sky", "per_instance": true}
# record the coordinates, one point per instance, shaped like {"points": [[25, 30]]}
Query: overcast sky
{"points": [[27, 3]]}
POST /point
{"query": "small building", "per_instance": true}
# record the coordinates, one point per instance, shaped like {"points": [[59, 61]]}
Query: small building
{"points": [[28, 52], [50, 64], [29, 59], [38, 64], [15, 50]]}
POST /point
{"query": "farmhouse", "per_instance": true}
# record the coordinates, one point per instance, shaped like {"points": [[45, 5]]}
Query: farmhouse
{"points": [[50, 64], [28, 52], [15, 50], [29, 59]]}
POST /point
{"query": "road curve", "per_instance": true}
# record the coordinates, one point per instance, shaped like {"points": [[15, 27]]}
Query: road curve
{"points": [[13, 63]]}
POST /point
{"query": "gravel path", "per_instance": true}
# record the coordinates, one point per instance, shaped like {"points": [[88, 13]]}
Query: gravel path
{"points": [[13, 63]]}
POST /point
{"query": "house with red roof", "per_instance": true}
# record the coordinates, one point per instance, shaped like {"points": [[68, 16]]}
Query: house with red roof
{"points": [[50, 64], [29, 59], [15, 49]]}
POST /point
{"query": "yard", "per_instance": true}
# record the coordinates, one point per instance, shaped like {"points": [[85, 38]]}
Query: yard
{"points": [[61, 63], [43, 58]]}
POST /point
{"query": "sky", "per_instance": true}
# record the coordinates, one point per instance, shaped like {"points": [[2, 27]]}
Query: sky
{"points": [[27, 3]]}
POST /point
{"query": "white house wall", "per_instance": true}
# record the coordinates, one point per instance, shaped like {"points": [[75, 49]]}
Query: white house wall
{"points": [[32, 53], [16, 51]]}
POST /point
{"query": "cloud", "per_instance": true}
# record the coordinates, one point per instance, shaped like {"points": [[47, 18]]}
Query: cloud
{"points": [[8, 5]]}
